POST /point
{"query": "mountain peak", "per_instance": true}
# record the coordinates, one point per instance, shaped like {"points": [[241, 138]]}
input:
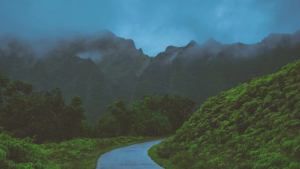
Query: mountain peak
{"points": [[272, 38], [211, 41], [107, 32], [297, 33], [130, 43], [169, 48], [192, 43]]}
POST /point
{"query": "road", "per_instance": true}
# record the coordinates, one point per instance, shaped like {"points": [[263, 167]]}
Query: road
{"points": [[129, 157]]}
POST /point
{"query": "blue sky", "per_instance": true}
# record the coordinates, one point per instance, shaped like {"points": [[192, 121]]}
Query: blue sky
{"points": [[152, 24]]}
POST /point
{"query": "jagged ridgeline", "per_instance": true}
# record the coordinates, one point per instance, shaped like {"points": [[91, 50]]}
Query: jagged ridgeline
{"points": [[118, 70], [254, 125]]}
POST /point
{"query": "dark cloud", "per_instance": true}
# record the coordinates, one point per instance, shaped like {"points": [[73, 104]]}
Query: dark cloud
{"points": [[151, 24]]}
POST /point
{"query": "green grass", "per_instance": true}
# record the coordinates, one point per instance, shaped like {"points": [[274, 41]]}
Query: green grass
{"points": [[80, 153]]}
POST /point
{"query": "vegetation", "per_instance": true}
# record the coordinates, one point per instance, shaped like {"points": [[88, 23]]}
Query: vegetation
{"points": [[153, 116], [39, 130], [80, 153], [43, 114], [253, 126]]}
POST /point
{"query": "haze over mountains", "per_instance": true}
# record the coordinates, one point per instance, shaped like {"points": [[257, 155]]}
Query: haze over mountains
{"points": [[103, 68]]}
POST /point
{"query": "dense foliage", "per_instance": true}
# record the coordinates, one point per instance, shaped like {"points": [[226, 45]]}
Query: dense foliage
{"points": [[40, 114], [152, 116], [253, 126], [45, 115]]}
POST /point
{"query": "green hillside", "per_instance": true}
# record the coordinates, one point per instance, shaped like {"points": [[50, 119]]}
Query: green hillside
{"points": [[255, 125]]}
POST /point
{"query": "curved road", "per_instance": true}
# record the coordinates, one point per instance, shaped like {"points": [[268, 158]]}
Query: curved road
{"points": [[129, 157]]}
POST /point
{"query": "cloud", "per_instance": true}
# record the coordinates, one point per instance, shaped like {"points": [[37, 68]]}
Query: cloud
{"points": [[95, 56], [152, 24]]}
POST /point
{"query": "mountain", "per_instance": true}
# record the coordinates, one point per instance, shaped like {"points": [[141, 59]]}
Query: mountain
{"points": [[103, 68], [199, 73], [211, 42], [253, 125]]}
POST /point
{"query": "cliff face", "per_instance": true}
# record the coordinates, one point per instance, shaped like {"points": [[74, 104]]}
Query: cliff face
{"points": [[104, 68], [202, 71]]}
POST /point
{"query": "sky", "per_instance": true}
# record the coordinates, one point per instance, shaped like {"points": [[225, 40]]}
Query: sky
{"points": [[152, 24]]}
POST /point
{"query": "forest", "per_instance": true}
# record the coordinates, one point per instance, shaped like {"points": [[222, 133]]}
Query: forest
{"points": [[45, 116]]}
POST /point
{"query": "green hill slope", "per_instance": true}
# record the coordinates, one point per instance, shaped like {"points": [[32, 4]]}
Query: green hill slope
{"points": [[255, 125]]}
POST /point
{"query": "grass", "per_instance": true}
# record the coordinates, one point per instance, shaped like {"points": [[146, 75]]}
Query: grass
{"points": [[165, 163], [80, 153]]}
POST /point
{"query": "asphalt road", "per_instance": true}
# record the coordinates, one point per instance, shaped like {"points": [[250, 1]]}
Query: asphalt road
{"points": [[129, 157]]}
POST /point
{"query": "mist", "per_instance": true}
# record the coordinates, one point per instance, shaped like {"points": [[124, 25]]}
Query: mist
{"points": [[174, 22], [95, 56]]}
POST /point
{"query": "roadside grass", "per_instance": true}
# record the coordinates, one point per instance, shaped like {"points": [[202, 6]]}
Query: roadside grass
{"points": [[79, 153], [165, 163]]}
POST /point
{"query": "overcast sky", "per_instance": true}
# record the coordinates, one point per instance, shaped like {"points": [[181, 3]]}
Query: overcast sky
{"points": [[152, 24]]}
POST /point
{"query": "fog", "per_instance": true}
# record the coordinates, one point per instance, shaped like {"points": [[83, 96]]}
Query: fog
{"points": [[95, 56], [151, 24]]}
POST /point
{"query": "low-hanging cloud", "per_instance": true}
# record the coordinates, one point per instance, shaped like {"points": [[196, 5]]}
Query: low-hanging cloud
{"points": [[95, 56], [152, 25]]}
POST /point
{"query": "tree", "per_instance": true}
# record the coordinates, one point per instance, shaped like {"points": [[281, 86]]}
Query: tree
{"points": [[122, 115], [3, 84], [147, 121], [70, 115], [177, 109], [18, 86], [4, 81], [44, 114], [41, 120], [13, 119], [106, 126], [87, 130], [149, 102], [138, 111]]}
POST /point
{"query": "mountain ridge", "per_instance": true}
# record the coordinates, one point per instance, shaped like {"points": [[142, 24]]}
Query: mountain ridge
{"points": [[124, 72]]}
